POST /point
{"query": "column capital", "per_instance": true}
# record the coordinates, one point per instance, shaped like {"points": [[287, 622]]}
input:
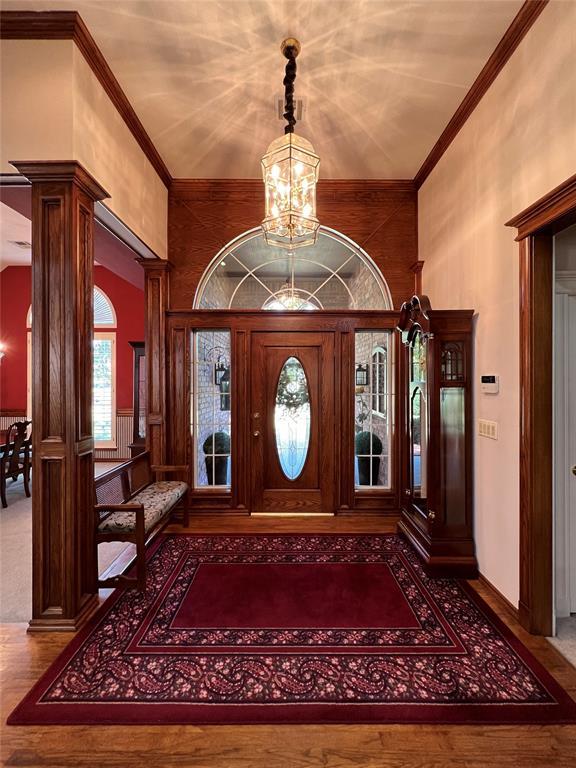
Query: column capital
{"points": [[151, 265], [61, 170]]}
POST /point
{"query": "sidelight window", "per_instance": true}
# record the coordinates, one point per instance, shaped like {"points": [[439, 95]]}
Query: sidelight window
{"points": [[373, 408], [211, 407]]}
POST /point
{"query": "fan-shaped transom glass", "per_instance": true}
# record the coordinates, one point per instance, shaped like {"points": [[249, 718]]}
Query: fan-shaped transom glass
{"points": [[292, 418], [104, 315], [334, 273]]}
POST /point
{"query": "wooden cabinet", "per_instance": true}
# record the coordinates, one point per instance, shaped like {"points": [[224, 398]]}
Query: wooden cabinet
{"points": [[138, 443], [436, 455]]}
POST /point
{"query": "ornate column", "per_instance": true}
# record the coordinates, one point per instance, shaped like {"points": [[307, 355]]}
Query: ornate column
{"points": [[156, 296], [64, 574]]}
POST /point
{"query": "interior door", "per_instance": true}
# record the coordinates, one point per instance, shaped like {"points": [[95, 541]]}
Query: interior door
{"points": [[292, 423]]}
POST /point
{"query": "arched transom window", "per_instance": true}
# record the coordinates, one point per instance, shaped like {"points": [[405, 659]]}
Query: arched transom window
{"points": [[334, 273]]}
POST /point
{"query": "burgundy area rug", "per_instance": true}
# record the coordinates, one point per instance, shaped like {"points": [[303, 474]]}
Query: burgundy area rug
{"points": [[294, 629]]}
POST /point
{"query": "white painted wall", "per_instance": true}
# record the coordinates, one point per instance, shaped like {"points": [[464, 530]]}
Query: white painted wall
{"points": [[53, 108], [35, 100], [519, 143], [105, 146]]}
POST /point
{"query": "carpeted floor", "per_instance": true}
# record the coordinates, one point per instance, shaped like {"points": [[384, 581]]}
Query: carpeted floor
{"points": [[565, 640], [16, 552], [294, 629]]}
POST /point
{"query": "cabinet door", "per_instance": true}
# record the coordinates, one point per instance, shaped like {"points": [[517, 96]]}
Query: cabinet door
{"points": [[452, 432], [418, 428]]}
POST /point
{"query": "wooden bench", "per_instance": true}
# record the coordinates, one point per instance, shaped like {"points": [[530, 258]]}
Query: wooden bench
{"points": [[131, 505]]}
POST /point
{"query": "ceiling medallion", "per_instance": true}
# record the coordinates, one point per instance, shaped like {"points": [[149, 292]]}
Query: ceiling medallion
{"points": [[290, 173]]}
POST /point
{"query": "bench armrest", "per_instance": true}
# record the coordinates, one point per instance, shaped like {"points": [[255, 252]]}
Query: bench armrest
{"points": [[108, 509]]}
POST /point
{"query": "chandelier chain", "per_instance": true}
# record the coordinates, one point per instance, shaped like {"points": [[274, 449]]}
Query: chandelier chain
{"points": [[289, 79]]}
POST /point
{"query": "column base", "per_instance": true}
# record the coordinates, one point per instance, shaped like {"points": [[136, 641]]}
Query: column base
{"points": [[56, 623]]}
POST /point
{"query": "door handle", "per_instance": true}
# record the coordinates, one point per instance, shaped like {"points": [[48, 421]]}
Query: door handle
{"points": [[574, 469], [256, 433]]}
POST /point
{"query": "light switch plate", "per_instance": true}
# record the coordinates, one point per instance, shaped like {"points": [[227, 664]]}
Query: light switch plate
{"points": [[488, 429]]}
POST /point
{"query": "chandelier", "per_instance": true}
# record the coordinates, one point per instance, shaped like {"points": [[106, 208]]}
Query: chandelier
{"points": [[290, 173]]}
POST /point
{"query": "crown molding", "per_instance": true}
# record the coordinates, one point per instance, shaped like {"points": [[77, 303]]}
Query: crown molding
{"points": [[512, 38], [68, 25], [63, 170], [548, 210]]}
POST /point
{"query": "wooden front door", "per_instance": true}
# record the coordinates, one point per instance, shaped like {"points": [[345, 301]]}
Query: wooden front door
{"points": [[292, 422]]}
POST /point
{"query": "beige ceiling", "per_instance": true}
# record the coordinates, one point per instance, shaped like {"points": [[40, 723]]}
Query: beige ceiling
{"points": [[379, 78]]}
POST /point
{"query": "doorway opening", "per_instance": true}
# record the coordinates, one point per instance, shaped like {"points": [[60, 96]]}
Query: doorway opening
{"points": [[537, 226], [565, 442]]}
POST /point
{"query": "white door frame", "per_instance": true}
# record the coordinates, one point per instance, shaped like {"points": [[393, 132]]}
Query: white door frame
{"points": [[564, 444]]}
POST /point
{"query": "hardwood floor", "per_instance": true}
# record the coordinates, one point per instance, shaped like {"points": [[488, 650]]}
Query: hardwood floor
{"points": [[24, 657]]}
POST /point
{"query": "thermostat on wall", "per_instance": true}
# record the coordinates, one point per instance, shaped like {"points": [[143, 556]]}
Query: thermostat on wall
{"points": [[489, 384]]}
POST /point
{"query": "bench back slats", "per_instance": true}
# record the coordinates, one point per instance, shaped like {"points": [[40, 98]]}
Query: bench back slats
{"points": [[113, 491], [119, 484]]}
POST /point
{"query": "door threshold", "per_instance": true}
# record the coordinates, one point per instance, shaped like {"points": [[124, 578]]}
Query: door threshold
{"points": [[292, 514]]}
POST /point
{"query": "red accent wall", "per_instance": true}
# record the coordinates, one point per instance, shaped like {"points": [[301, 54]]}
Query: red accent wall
{"points": [[15, 299]]}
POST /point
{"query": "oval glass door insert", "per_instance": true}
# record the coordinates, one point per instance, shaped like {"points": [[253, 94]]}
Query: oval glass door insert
{"points": [[292, 418]]}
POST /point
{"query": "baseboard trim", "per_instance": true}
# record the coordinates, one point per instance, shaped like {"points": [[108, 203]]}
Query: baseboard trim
{"points": [[497, 594]]}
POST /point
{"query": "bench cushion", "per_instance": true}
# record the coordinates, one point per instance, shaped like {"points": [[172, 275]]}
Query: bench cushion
{"points": [[157, 499]]}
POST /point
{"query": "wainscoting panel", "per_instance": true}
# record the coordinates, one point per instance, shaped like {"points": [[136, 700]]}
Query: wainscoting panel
{"points": [[124, 424], [123, 434]]}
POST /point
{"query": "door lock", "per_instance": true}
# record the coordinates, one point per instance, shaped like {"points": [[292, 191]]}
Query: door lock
{"points": [[574, 469]]}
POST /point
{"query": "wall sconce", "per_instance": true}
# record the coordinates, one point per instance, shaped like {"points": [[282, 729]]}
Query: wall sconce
{"points": [[2, 350], [362, 375], [224, 387], [220, 368]]}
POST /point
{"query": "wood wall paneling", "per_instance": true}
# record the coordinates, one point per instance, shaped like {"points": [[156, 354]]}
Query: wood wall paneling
{"points": [[64, 566], [205, 215], [156, 299]]}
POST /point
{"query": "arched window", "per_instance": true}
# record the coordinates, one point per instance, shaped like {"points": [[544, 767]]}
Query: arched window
{"points": [[334, 273], [104, 315], [104, 370]]}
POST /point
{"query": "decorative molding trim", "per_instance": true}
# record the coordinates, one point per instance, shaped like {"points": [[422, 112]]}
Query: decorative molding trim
{"points": [[560, 202], [13, 180], [68, 25], [61, 170], [498, 595], [13, 413], [112, 223], [156, 264], [417, 268], [512, 38]]}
